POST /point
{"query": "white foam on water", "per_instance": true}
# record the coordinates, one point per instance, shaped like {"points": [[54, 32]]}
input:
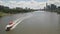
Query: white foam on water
{"points": [[19, 21]]}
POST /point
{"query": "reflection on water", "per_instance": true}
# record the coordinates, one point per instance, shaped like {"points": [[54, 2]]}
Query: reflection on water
{"points": [[59, 24], [39, 23]]}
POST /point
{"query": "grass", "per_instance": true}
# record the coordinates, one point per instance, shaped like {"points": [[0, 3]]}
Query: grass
{"points": [[2, 14]]}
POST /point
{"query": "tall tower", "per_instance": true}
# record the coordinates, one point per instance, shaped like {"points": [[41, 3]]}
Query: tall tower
{"points": [[46, 4]]}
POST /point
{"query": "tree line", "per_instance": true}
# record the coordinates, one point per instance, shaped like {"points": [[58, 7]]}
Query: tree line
{"points": [[6, 9]]}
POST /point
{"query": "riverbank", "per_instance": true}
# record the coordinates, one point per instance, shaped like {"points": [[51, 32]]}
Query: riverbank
{"points": [[55, 11], [4, 14], [7, 14]]}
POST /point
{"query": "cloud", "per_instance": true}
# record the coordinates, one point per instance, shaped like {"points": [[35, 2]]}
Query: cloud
{"points": [[57, 2], [30, 4], [1, 2]]}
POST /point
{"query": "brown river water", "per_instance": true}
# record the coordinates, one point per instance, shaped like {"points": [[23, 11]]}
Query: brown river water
{"points": [[39, 23]]}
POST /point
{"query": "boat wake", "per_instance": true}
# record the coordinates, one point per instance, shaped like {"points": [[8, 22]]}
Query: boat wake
{"points": [[16, 22]]}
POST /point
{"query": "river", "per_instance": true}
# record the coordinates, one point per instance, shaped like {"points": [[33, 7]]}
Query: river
{"points": [[40, 22]]}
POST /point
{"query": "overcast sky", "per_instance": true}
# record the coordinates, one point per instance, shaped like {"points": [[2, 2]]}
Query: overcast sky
{"points": [[35, 4]]}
